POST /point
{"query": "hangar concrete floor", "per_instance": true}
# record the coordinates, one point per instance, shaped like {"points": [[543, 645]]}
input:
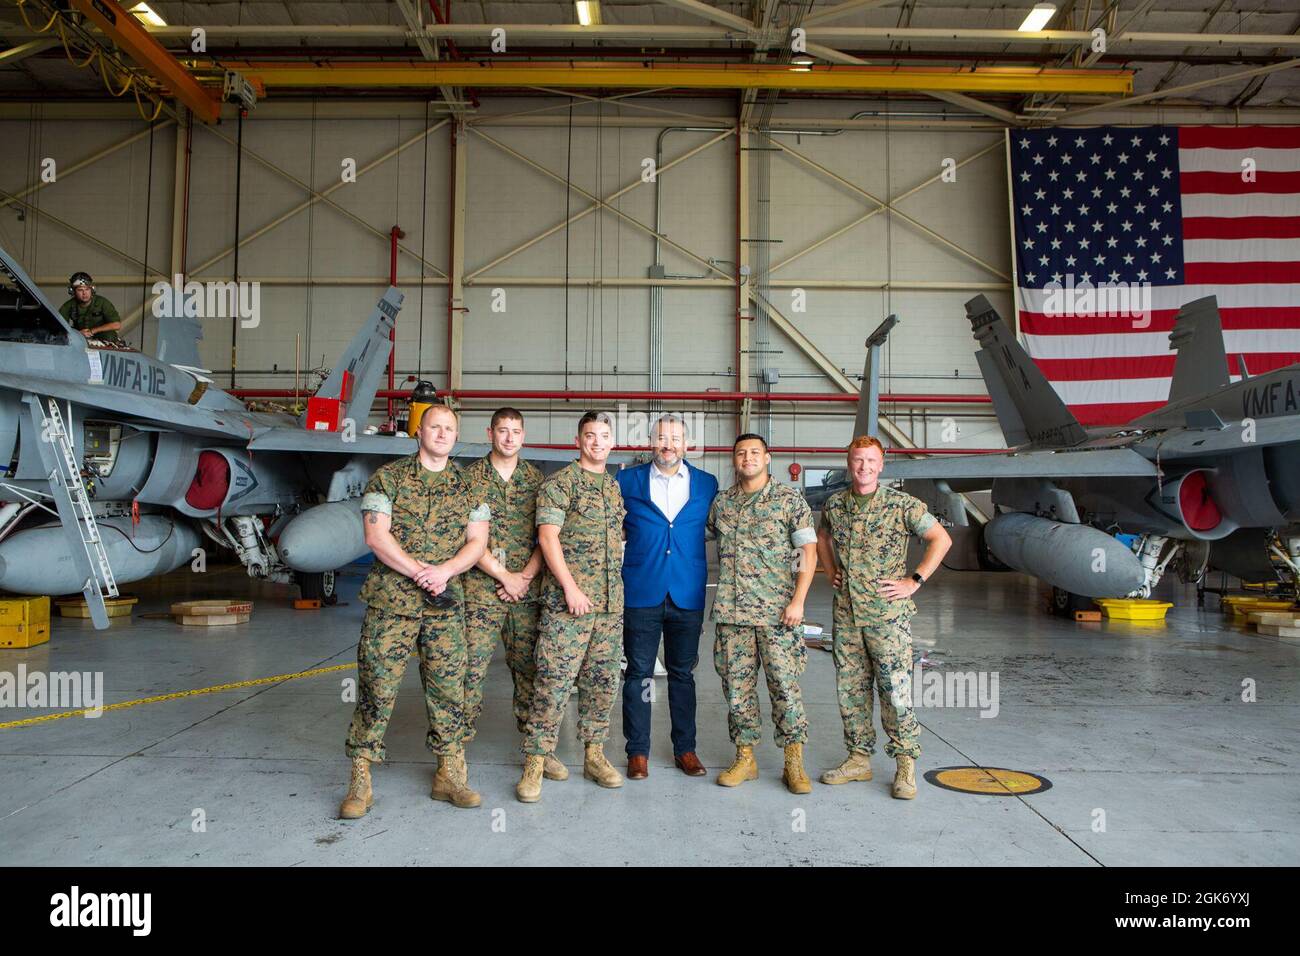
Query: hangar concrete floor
{"points": [[1152, 755]]}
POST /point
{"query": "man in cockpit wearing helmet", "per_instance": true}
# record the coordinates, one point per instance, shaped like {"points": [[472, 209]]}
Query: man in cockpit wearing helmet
{"points": [[90, 313]]}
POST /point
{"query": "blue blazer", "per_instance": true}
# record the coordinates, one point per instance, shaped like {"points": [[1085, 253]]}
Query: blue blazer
{"points": [[664, 558]]}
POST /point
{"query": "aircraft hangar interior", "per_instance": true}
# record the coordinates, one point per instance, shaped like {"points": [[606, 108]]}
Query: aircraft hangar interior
{"points": [[568, 365]]}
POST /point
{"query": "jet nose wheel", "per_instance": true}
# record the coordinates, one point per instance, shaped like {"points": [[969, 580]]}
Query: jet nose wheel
{"points": [[1065, 603], [318, 587]]}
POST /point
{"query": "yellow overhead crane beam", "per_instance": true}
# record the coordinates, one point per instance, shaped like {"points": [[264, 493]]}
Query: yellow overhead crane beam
{"points": [[729, 76]]}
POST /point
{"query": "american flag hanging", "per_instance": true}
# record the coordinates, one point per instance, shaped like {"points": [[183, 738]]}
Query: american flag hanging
{"points": [[1116, 228]]}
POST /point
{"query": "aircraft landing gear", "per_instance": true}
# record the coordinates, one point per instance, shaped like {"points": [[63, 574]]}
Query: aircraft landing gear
{"points": [[1149, 548], [1290, 559], [1065, 603], [318, 587]]}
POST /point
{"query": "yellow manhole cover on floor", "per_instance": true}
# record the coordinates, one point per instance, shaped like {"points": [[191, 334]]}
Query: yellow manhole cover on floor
{"points": [[994, 781]]}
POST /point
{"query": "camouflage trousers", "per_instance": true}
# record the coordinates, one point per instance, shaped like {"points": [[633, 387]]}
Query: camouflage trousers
{"points": [[581, 652], [738, 651], [879, 656], [387, 641], [516, 625]]}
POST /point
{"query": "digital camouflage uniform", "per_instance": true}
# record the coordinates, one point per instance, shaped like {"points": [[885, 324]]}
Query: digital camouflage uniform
{"points": [[430, 511], [512, 539], [98, 311], [579, 651], [873, 635], [758, 540]]}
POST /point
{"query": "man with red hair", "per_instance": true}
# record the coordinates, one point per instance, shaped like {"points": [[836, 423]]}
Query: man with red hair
{"points": [[862, 544]]}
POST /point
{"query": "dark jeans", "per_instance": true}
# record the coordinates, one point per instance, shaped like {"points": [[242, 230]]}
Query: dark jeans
{"points": [[681, 632]]}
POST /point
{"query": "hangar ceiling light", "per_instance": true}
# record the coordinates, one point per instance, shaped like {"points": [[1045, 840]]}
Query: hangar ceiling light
{"points": [[145, 14], [1038, 17], [588, 12]]}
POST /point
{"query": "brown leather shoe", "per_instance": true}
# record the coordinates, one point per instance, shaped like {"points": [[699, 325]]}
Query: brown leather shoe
{"points": [[638, 767], [690, 765]]}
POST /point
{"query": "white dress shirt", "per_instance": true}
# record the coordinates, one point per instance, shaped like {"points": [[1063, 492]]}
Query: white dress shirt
{"points": [[669, 493]]}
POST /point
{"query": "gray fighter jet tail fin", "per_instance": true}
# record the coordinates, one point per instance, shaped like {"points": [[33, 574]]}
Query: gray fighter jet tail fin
{"points": [[364, 361], [868, 419], [1202, 362], [178, 341], [1028, 408]]}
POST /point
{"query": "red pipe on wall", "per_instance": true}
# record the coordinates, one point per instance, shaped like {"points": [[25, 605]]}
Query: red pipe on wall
{"points": [[394, 234], [470, 394], [845, 398], [444, 16], [185, 215], [451, 245], [740, 257]]}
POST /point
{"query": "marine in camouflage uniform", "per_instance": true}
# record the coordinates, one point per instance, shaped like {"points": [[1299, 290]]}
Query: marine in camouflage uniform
{"points": [[429, 511], [512, 538], [759, 536], [581, 652], [873, 634], [98, 311]]}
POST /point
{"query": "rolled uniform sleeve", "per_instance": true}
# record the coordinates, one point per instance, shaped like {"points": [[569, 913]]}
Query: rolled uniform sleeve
{"points": [[379, 493], [918, 518], [552, 502], [801, 525], [481, 513]]}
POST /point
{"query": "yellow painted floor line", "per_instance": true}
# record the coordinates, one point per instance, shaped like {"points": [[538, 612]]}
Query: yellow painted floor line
{"points": [[27, 722]]}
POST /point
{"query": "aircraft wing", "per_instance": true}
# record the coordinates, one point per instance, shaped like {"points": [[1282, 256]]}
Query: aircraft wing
{"points": [[176, 416], [1100, 463], [302, 440]]}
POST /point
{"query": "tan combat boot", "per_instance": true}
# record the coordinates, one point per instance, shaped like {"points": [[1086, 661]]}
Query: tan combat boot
{"points": [[596, 767], [796, 780], [360, 795], [451, 782], [905, 778], [529, 788], [743, 768], [553, 769], [856, 767]]}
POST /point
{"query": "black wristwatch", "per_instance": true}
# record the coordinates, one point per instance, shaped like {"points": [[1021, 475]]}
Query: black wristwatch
{"points": [[917, 578]]}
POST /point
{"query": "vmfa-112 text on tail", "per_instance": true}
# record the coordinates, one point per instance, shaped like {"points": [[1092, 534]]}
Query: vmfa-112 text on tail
{"points": [[116, 465], [1211, 479]]}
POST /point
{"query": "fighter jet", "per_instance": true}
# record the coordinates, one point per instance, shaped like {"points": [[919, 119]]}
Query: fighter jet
{"points": [[1211, 479], [116, 465]]}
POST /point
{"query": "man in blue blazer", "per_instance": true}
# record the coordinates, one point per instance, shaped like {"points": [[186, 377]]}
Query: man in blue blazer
{"points": [[664, 573]]}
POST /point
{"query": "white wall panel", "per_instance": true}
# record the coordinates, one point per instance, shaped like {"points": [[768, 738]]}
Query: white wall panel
{"points": [[508, 203]]}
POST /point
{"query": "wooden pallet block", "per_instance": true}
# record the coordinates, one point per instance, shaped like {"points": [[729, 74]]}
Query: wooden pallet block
{"points": [[211, 613], [210, 620], [212, 606], [1277, 630], [1274, 618], [306, 604]]}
